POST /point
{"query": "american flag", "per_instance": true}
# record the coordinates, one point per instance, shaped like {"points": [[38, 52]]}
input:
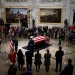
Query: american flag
{"points": [[41, 39], [47, 40], [11, 45], [38, 39]]}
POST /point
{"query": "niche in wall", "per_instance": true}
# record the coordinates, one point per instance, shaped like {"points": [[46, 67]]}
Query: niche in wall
{"points": [[73, 17]]}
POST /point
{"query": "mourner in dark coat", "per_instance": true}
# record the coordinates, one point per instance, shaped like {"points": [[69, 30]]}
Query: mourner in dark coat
{"points": [[59, 54], [29, 56], [20, 59], [37, 61], [47, 61], [16, 44], [68, 70]]}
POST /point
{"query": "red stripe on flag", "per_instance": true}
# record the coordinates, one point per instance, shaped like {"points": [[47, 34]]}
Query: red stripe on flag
{"points": [[11, 45], [38, 39]]}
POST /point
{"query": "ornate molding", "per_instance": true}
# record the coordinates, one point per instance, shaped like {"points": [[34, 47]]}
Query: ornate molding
{"points": [[16, 0], [72, 2], [0, 2], [50, 0]]}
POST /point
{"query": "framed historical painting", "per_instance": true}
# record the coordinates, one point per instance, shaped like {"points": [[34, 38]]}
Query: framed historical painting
{"points": [[14, 14], [50, 15]]}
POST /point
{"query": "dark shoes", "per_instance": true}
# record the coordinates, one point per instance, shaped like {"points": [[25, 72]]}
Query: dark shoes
{"points": [[37, 70], [47, 70], [56, 70], [59, 70]]}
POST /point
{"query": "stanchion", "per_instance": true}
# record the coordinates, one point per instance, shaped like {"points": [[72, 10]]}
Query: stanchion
{"points": [[65, 58], [67, 44], [6, 57], [0, 39], [0, 48], [74, 42], [59, 42]]}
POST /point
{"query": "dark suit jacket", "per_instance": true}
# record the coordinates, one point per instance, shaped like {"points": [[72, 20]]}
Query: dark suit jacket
{"points": [[68, 70], [59, 54], [16, 42], [29, 56]]}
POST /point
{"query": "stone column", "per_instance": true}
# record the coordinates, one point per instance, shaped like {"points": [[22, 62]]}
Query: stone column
{"points": [[68, 10], [33, 12], [2, 9], [0, 12]]}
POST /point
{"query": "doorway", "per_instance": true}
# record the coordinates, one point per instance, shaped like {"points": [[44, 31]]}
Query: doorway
{"points": [[73, 17]]}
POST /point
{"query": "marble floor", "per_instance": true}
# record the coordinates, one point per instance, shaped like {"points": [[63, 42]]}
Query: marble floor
{"points": [[68, 50]]}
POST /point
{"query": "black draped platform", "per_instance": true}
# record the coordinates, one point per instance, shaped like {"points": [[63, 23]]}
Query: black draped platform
{"points": [[39, 46]]}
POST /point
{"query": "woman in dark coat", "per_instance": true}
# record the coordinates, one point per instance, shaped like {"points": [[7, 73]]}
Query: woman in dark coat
{"points": [[47, 61], [37, 61], [20, 59]]}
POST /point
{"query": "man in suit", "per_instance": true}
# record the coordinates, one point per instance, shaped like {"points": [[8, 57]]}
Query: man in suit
{"points": [[47, 61], [29, 56], [59, 54], [16, 44], [68, 70]]}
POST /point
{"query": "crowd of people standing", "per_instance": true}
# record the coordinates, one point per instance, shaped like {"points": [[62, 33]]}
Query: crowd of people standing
{"points": [[38, 61], [27, 32]]}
